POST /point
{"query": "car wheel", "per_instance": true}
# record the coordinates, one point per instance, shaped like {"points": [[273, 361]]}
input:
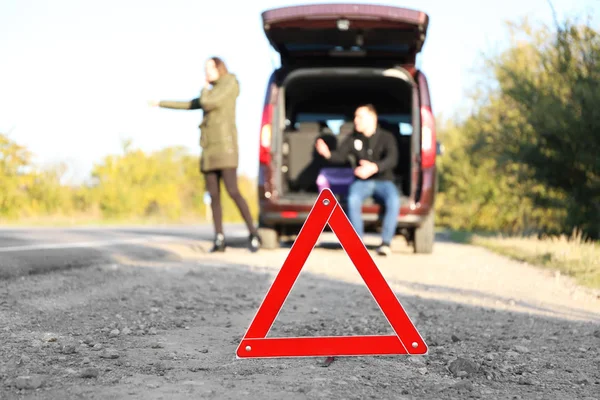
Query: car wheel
{"points": [[269, 238], [424, 236]]}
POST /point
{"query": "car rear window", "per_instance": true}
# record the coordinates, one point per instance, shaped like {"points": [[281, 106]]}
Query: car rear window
{"points": [[335, 121]]}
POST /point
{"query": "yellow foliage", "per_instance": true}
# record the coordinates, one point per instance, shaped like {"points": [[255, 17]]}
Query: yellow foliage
{"points": [[165, 185]]}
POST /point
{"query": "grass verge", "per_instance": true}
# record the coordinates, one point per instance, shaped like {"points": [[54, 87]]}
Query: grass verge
{"points": [[570, 255]]}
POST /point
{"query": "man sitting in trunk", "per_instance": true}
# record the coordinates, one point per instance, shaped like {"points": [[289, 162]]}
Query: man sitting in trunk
{"points": [[376, 155]]}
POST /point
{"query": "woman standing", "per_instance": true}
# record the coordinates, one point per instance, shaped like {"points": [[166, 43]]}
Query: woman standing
{"points": [[218, 139]]}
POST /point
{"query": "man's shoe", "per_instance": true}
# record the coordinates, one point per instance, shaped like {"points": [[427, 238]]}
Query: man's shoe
{"points": [[218, 244], [384, 250], [255, 242]]}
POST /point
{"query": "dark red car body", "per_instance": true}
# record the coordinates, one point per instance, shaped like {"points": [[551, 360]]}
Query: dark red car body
{"points": [[353, 36]]}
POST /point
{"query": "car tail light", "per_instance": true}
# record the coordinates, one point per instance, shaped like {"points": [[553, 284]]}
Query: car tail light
{"points": [[265, 135], [289, 214], [428, 140]]}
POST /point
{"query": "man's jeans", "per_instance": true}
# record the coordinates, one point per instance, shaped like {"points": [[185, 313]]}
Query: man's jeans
{"points": [[384, 191]]}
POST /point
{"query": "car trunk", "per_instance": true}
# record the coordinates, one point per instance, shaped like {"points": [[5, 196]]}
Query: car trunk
{"points": [[346, 34], [320, 103]]}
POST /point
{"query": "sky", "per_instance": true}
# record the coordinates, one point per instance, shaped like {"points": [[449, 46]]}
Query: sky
{"points": [[79, 74]]}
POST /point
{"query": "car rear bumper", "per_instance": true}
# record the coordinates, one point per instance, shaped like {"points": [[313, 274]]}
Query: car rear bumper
{"points": [[298, 218], [273, 219]]}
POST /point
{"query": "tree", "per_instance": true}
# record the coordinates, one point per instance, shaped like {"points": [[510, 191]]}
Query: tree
{"points": [[526, 158], [552, 85], [15, 175]]}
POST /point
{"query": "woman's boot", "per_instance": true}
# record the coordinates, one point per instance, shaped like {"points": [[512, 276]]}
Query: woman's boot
{"points": [[255, 242], [218, 244]]}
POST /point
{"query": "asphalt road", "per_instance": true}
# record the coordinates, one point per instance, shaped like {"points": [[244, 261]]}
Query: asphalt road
{"points": [[33, 250], [26, 251]]}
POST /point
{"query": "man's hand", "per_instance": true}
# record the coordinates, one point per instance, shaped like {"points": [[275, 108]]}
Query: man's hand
{"points": [[366, 169], [322, 148]]}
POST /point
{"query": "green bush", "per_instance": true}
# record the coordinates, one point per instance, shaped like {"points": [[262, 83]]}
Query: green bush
{"points": [[134, 185], [526, 158]]}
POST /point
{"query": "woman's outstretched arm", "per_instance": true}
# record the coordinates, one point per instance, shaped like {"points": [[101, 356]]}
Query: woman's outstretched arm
{"points": [[180, 105]]}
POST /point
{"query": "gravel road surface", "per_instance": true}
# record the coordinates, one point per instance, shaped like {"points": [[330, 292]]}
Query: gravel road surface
{"points": [[148, 313]]}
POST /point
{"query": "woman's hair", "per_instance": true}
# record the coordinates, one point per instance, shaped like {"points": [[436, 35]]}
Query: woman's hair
{"points": [[220, 64]]}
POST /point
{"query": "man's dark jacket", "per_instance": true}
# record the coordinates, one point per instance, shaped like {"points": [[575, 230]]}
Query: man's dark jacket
{"points": [[381, 148]]}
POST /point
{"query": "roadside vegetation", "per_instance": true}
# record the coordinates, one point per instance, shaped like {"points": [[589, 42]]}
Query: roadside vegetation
{"points": [[569, 255], [523, 163], [521, 173], [131, 187]]}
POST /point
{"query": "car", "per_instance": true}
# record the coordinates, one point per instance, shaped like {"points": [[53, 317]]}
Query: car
{"points": [[334, 57]]}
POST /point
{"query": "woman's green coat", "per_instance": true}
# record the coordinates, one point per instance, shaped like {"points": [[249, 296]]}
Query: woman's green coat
{"points": [[218, 131]]}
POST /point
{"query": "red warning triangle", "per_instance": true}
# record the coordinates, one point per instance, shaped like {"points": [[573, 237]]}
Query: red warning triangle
{"points": [[255, 344]]}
